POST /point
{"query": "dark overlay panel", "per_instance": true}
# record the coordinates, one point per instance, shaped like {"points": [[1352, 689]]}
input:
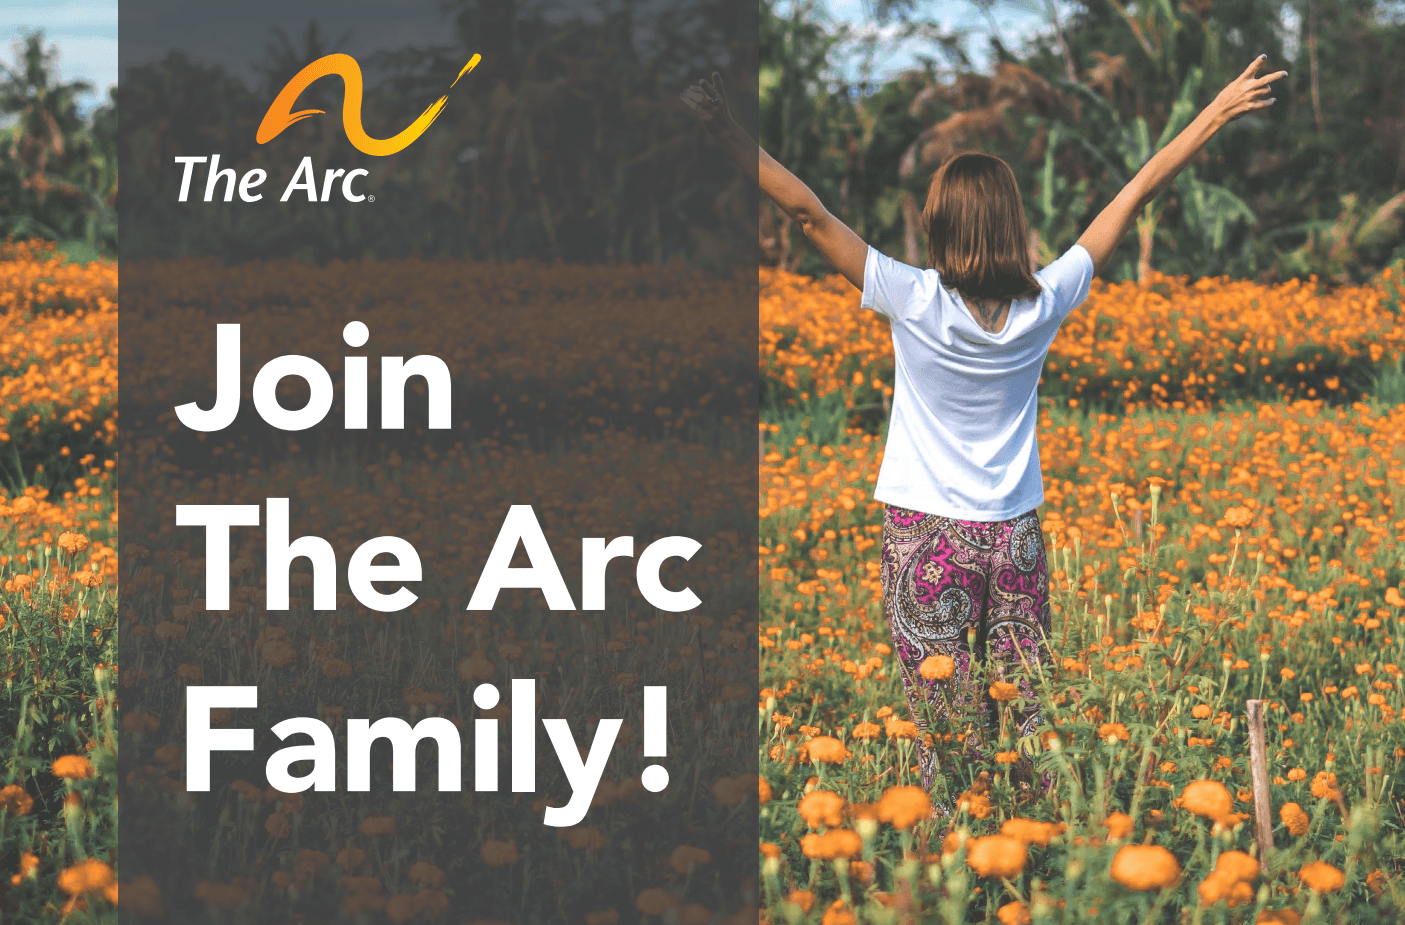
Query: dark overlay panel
{"points": [[438, 460]]}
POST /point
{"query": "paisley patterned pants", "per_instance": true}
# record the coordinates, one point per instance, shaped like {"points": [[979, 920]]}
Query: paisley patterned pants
{"points": [[977, 593]]}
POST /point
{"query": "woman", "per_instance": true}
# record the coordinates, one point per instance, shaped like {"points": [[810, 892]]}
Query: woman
{"points": [[965, 580]]}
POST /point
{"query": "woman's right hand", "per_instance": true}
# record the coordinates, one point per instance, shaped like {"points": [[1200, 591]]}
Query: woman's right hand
{"points": [[708, 101], [1246, 93]]}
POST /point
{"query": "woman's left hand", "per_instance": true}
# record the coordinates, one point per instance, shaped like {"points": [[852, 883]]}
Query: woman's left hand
{"points": [[708, 101]]}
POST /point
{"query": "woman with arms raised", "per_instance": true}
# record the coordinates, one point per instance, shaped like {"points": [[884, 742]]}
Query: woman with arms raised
{"points": [[965, 579]]}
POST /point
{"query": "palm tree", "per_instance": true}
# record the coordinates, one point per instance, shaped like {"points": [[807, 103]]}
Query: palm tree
{"points": [[54, 182]]}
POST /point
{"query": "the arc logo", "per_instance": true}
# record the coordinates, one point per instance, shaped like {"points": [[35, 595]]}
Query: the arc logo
{"points": [[280, 115]]}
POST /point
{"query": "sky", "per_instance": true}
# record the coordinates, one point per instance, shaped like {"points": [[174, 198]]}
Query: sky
{"points": [[85, 32], [1014, 20]]}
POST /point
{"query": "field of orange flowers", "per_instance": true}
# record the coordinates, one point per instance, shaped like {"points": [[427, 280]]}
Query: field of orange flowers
{"points": [[284, 854], [1216, 536], [552, 351], [1208, 548], [1176, 344], [58, 571], [58, 361]]}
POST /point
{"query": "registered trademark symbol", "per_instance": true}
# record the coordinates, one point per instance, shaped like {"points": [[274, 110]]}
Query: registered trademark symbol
{"points": [[370, 198]]}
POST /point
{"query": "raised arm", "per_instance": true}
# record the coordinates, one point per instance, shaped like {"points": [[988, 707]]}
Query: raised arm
{"points": [[834, 239], [1246, 93]]}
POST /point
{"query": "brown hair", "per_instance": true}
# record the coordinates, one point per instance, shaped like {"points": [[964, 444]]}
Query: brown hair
{"points": [[977, 235]]}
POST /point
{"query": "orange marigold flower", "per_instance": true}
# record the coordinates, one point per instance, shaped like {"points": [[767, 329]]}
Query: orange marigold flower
{"points": [[225, 896], [1278, 917], [1113, 732], [1324, 785], [315, 862], [29, 866], [1238, 517], [378, 825], [72, 543], [1238, 866], [401, 908], [1294, 819], [900, 728], [335, 668], [278, 652], [1221, 886], [1145, 867], [1119, 825], [90, 876], [802, 898], [763, 791], [832, 845], [498, 853], [903, 807], [1030, 831], [278, 826], [866, 730], [821, 808], [686, 857], [937, 667], [996, 856], [584, 838], [476, 667], [655, 901], [142, 896], [73, 767], [16, 801], [1003, 691], [1207, 798], [140, 722], [729, 791], [1322, 877], [827, 749], [838, 914], [976, 804], [1015, 913]]}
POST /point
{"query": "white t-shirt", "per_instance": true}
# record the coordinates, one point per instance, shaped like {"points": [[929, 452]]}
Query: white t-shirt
{"points": [[961, 439]]}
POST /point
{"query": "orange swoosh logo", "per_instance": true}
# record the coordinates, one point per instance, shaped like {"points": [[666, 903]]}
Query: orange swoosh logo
{"points": [[280, 115]]}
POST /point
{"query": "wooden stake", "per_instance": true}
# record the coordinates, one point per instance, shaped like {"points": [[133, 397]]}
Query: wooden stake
{"points": [[1258, 769]]}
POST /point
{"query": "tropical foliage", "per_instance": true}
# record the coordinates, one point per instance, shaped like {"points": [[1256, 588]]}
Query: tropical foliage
{"points": [[58, 170], [1312, 186]]}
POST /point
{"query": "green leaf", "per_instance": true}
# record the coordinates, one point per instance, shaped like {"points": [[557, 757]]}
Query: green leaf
{"points": [[1143, 150], [1117, 173], [1184, 109]]}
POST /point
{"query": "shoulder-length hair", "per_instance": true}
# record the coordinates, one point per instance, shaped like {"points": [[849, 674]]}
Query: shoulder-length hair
{"points": [[977, 234]]}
